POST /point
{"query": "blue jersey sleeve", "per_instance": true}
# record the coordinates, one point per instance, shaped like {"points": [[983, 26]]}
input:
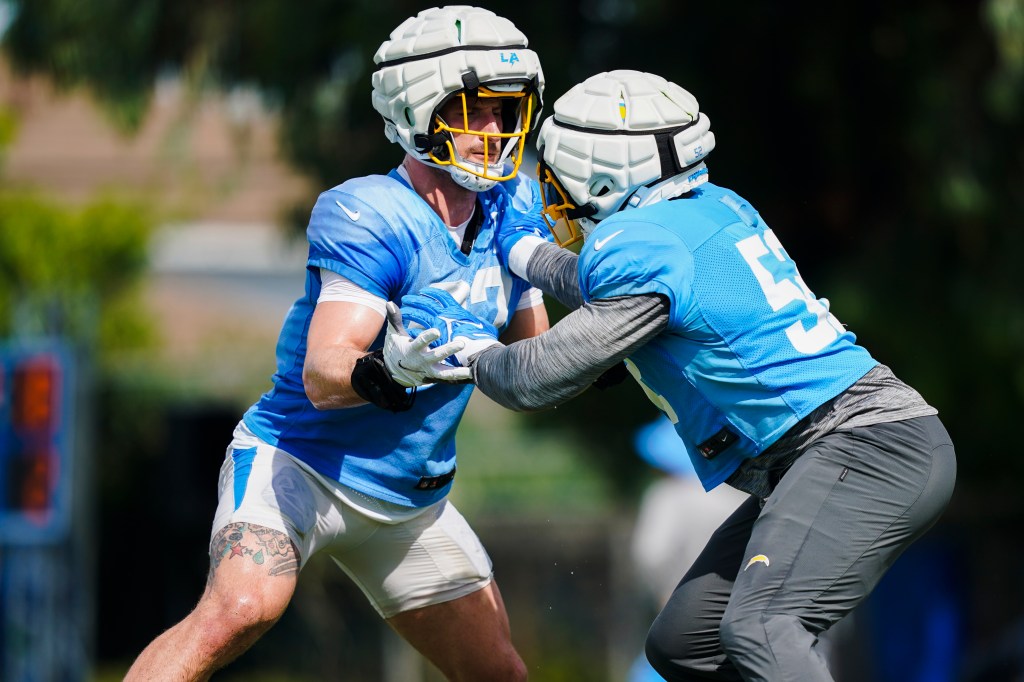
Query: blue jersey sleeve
{"points": [[629, 258], [513, 204], [525, 200], [348, 236]]}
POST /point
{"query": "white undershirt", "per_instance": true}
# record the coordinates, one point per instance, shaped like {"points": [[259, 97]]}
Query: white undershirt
{"points": [[334, 287]]}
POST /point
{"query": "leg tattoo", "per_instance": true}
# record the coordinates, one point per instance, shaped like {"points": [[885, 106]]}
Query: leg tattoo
{"points": [[261, 545]]}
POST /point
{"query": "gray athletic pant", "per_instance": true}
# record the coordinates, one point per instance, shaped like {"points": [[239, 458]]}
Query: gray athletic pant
{"points": [[771, 580]]}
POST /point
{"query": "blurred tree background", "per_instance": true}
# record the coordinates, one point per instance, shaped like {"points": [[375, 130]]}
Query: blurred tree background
{"points": [[886, 139], [883, 141]]}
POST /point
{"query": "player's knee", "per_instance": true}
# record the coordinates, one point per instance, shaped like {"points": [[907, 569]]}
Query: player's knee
{"points": [[669, 652], [741, 631], [657, 654], [239, 614]]}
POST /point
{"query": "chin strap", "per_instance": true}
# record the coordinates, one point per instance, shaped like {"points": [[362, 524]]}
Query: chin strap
{"points": [[470, 181]]}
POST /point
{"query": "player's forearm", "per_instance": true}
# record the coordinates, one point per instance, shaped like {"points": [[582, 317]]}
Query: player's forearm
{"points": [[548, 370]]}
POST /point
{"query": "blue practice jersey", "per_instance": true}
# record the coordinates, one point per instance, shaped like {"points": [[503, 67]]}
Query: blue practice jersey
{"points": [[748, 350], [377, 232]]}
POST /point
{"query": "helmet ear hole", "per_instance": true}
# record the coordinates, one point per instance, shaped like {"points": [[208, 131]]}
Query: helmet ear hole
{"points": [[600, 186], [410, 117]]}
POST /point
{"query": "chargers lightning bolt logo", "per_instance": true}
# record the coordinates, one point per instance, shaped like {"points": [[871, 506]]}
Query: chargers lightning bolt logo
{"points": [[758, 559]]}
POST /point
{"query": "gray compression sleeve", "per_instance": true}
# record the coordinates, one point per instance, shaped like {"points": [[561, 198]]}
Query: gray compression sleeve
{"points": [[553, 270], [549, 369]]}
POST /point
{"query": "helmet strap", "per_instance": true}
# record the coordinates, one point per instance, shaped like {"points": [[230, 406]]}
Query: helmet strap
{"points": [[585, 211], [668, 152], [426, 142]]}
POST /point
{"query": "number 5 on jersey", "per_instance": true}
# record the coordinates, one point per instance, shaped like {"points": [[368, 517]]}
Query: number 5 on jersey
{"points": [[807, 340]]}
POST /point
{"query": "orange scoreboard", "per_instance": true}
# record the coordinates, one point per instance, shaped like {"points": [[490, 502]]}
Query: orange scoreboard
{"points": [[36, 439]]}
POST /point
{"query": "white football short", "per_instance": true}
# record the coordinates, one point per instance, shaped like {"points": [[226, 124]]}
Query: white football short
{"points": [[400, 558]]}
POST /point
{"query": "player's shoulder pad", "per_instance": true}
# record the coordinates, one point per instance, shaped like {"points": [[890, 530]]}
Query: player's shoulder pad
{"points": [[626, 256], [623, 233], [362, 204], [720, 205], [376, 194]]}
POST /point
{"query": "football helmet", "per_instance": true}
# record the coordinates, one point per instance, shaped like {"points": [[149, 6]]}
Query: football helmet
{"points": [[458, 52], [620, 139]]}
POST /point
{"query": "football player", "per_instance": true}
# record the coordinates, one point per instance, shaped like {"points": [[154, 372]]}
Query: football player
{"points": [[845, 464], [337, 456]]}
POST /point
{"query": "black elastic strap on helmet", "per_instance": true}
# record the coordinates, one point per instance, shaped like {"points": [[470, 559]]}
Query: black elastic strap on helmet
{"points": [[449, 50], [584, 211], [426, 142], [667, 154], [470, 81], [373, 383], [663, 138]]}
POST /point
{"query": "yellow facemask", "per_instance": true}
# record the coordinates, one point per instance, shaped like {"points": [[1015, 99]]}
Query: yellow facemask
{"points": [[560, 212], [517, 113]]}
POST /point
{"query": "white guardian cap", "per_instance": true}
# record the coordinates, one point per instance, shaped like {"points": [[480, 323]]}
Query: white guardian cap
{"points": [[466, 52], [620, 139]]}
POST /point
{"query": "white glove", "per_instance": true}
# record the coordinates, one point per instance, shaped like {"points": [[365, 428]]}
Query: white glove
{"points": [[412, 362], [473, 347]]}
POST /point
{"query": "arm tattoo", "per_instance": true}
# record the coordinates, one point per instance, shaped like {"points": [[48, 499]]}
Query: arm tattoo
{"points": [[259, 544]]}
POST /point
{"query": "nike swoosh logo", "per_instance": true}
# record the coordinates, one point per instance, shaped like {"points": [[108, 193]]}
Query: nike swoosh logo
{"points": [[599, 243], [353, 215], [449, 321]]}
